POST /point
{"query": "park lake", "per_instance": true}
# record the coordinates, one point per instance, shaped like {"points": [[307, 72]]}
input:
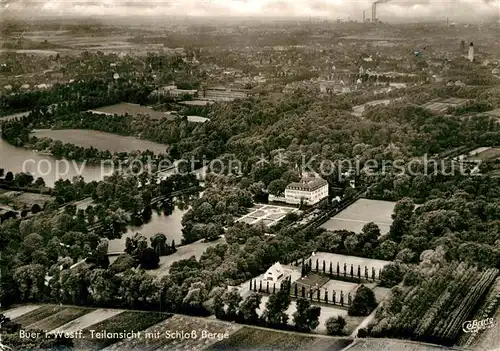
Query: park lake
{"points": [[18, 159]]}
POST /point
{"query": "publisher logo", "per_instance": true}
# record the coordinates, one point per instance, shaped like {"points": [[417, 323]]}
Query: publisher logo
{"points": [[475, 325]]}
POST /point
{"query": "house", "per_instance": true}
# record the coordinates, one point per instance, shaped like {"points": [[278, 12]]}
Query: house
{"points": [[274, 273], [310, 191]]}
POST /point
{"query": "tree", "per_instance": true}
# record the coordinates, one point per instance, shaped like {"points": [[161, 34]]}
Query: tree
{"points": [[218, 303], [275, 312], [102, 288], [159, 244], [392, 274], [248, 308], [351, 243], [370, 233], [306, 318], [30, 280], [402, 215], [35, 208], [149, 259], [387, 250], [232, 299], [23, 179], [335, 325], [193, 301], [123, 263], [9, 177], [277, 187], [364, 302], [135, 245], [39, 182]]}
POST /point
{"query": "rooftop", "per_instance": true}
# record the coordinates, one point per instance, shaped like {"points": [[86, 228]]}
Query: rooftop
{"points": [[308, 184]]}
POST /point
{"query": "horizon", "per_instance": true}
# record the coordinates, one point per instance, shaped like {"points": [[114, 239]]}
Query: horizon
{"points": [[392, 11]]}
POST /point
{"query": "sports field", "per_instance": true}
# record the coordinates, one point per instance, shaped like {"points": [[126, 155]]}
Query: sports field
{"points": [[361, 212]]}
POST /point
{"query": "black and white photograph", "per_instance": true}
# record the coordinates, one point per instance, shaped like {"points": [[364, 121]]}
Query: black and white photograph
{"points": [[250, 175]]}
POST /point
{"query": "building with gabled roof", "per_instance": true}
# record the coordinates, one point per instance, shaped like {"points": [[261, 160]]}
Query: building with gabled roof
{"points": [[274, 273]]}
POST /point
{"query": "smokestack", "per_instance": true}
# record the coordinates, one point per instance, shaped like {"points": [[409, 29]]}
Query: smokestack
{"points": [[364, 16], [471, 52], [374, 11]]}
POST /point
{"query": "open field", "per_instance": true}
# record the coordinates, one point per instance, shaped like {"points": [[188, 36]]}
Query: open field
{"points": [[483, 154], [183, 252], [100, 140], [17, 312], [38, 314], [262, 339], [60, 318], [269, 214], [21, 199], [130, 109], [87, 320], [393, 345], [181, 324], [361, 212], [348, 260], [128, 321]]}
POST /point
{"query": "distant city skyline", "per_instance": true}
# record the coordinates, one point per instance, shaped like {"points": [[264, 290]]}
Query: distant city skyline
{"points": [[397, 10]]}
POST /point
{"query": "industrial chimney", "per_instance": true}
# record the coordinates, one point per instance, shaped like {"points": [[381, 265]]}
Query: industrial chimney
{"points": [[471, 52]]}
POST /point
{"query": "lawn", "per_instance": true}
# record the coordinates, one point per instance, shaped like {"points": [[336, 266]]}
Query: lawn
{"points": [[19, 311], [183, 252], [491, 153], [361, 212], [88, 320], [126, 321], [60, 318], [249, 338], [37, 315], [26, 200]]}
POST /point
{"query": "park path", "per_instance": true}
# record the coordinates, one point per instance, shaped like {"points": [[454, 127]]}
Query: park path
{"points": [[364, 323]]}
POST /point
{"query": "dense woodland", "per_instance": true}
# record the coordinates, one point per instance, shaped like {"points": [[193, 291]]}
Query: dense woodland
{"points": [[454, 228]]}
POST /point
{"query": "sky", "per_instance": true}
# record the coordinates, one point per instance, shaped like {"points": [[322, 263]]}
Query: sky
{"points": [[332, 9]]}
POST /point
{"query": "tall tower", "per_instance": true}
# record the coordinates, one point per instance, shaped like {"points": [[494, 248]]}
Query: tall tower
{"points": [[471, 52]]}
